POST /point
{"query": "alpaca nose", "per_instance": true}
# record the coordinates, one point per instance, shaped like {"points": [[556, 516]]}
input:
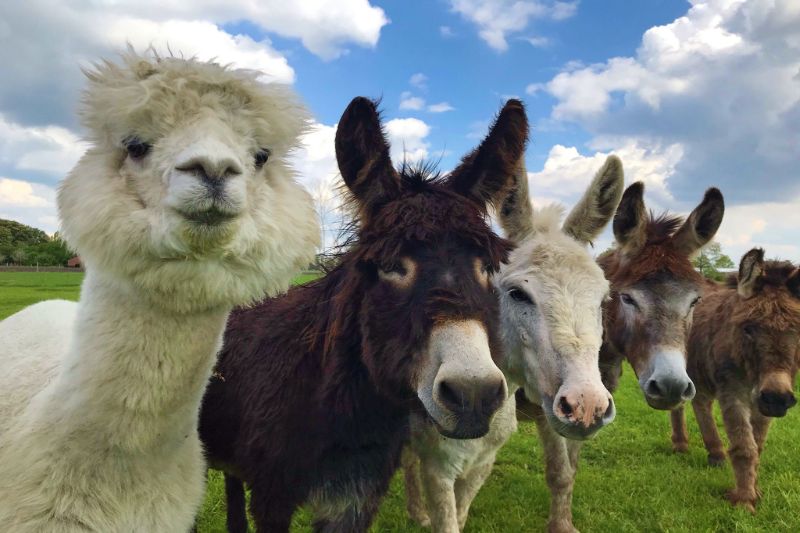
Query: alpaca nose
{"points": [[212, 171]]}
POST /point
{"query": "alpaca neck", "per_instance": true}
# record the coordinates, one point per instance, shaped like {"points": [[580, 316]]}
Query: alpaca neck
{"points": [[135, 373]]}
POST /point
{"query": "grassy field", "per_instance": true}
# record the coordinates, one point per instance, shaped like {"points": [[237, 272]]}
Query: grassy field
{"points": [[629, 479]]}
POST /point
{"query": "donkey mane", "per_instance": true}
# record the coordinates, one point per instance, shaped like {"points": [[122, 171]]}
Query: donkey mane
{"points": [[657, 256], [661, 227], [776, 306], [410, 219], [776, 273]]}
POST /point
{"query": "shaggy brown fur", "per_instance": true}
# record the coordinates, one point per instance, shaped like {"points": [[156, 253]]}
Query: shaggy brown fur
{"points": [[314, 389], [744, 351], [652, 259]]}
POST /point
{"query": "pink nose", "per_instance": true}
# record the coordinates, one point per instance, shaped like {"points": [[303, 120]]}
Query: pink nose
{"points": [[586, 408]]}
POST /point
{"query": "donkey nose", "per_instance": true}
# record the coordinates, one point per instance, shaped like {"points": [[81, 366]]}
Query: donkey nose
{"points": [[581, 408], [670, 389], [472, 396], [775, 403], [211, 169]]}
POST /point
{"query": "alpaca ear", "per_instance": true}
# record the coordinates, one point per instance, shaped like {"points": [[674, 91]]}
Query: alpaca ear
{"points": [[793, 283], [751, 268], [630, 221], [702, 224], [595, 209], [516, 213], [485, 174], [363, 155]]}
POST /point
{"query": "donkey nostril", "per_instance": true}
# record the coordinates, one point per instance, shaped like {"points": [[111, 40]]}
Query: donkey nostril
{"points": [[449, 396], [652, 389], [689, 393], [565, 407]]}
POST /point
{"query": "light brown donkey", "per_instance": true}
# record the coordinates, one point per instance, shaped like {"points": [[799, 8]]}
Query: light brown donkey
{"points": [[654, 288], [744, 350]]}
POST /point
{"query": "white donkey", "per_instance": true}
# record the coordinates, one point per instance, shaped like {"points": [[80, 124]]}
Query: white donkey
{"points": [[551, 295]]}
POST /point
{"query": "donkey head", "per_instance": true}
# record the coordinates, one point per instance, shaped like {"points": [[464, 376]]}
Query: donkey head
{"points": [[428, 315], [766, 328], [654, 290], [551, 296]]}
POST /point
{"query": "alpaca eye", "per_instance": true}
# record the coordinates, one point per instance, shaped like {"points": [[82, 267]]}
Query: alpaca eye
{"points": [[518, 295], [136, 147], [261, 157]]}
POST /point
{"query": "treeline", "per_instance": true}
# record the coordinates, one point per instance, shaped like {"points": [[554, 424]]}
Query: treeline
{"points": [[26, 246]]}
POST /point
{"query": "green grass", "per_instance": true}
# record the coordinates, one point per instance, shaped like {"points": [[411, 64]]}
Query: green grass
{"points": [[628, 480]]}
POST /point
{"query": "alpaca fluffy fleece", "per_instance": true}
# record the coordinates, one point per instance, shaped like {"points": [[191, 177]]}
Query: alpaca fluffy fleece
{"points": [[99, 400]]}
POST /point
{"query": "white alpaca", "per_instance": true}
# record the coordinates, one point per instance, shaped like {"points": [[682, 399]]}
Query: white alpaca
{"points": [[551, 292], [183, 207]]}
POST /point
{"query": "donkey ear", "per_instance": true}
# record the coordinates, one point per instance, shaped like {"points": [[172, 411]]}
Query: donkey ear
{"points": [[591, 214], [750, 269], [793, 283], [485, 174], [702, 224], [516, 213], [630, 222], [363, 154]]}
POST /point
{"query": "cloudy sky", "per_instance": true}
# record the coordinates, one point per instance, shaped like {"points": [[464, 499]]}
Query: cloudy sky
{"points": [[689, 94]]}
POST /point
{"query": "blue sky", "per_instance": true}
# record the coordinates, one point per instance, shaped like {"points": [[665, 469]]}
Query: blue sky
{"points": [[689, 94]]}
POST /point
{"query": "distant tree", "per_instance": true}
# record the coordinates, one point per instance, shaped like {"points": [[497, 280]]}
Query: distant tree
{"points": [[19, 256], [710, 260]]}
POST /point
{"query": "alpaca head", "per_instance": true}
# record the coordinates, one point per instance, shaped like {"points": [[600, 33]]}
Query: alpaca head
{"points": [[186, 190]]}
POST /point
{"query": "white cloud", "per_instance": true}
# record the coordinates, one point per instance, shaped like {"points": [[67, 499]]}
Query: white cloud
{"points": [[567, 173], [409, 102], [537, 41], [203, 40], [715, 94], [407, 139], [496, 19], [418, 80], [441, 107], [46, 73], [446, 32], [50, 149], [30, 203]]}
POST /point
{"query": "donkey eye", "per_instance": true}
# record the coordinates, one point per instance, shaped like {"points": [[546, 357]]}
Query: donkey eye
{"points": [[627, 299], [396, 269], [694, 302], [261, 157], [749, 330], [136, 147], [518, 295]]}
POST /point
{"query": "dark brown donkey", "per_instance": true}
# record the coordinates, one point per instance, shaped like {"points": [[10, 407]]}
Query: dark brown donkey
{"points": [[654, 288], [313, 390], [744, 350]]}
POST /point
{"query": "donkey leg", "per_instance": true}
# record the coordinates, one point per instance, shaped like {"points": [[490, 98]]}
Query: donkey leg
{"points": [[559, 474], [415, 504], [237, 512], [680, 435], [702, 406], [743, 451], [440, 500], [760, 425], [467, 488], [271, 511]]}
